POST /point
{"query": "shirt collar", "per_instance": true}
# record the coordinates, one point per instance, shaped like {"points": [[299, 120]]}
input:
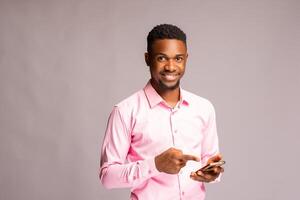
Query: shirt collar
{"points": [[154, 98]]}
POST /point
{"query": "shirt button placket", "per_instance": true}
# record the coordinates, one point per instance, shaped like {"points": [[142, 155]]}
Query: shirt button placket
{"points": [[174, 132], [172, 126]]}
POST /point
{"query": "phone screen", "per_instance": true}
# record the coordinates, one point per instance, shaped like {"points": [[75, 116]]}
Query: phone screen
{"points": [[210, 166]]}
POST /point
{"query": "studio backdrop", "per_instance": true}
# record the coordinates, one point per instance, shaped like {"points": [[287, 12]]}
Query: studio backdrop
{"points": [[65, 64]]}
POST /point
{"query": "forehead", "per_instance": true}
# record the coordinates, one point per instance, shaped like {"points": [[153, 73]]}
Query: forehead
{"points": [[168, 46]]}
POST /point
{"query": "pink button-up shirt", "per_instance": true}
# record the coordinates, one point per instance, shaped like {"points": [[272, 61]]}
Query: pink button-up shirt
{"points": [[143, 126]]}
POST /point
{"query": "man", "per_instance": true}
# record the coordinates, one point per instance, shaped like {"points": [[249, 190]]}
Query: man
{"points": [[157, 138]]}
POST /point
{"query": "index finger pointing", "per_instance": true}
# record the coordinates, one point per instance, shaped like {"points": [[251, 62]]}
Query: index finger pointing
{"points": [[187, 157]]}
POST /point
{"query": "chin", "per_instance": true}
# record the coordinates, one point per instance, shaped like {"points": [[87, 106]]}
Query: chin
{"points": [[169, 86]]}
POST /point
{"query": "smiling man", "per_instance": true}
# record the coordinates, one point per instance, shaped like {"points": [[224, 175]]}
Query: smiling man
{"points": [[157, 138]]}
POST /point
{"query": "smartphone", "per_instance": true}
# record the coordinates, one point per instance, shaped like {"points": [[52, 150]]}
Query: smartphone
{"points": [[210, 166]]}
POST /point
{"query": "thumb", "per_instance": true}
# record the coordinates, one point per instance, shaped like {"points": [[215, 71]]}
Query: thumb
{"points": [[215, 158]]}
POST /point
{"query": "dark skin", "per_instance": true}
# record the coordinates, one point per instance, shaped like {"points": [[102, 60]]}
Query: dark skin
{"points": [[209, 176], [167, 61]]}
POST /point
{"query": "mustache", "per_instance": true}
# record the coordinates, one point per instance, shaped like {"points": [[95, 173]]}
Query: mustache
{"points": [[169, 73]]}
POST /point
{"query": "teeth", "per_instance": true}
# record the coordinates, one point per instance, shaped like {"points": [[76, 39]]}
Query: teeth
{"points": [[170, 77]]}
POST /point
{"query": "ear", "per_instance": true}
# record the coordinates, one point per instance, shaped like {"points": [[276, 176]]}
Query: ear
{"points": [[187, 55], [147, 59]]}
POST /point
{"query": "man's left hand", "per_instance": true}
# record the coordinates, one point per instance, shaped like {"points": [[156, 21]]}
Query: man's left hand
{"points": [[210, 175]]}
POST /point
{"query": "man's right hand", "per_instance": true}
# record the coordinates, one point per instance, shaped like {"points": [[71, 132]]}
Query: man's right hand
{"points": [[172, 160]]}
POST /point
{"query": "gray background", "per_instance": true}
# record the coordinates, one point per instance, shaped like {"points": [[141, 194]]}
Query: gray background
{"points": [[64, 64]]}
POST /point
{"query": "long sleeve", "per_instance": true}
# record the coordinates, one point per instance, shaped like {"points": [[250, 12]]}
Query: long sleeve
{"points": [[210, 143], [143, 126], [115, 171]]}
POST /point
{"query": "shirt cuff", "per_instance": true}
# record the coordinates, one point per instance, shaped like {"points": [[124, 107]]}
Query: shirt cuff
{"points": [[149, 167]]}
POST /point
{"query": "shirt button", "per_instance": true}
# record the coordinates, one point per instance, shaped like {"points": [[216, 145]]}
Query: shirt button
{"points": [[175, 131], [149, 171], [182, 193]]}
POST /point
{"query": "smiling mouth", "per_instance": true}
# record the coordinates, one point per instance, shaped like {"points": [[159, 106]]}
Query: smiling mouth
{"points": [[170, 77]]}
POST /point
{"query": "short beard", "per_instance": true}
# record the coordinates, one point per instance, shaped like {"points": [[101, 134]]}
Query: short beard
{"points": [[164, 87]]}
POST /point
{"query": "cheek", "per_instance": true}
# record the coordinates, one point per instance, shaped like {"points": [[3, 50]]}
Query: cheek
{"points": [[153, 72], [182, 68], [156, 68]]}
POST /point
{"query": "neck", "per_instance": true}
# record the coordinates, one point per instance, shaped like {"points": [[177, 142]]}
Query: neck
{"points": [[171, 96]]}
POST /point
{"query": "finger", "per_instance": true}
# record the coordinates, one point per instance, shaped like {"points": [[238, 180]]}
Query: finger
{"points": [[181, 163], [215, 158], [222, 170], [213, 177], [200, 173], [177, 162], [197, 177], [187, 157], [201, 178], [175, 153], [215, 170], [210, 177], [219, 170]]}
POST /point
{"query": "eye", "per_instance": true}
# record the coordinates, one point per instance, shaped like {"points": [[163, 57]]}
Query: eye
{"points": [[179, 58], [161, 58]]}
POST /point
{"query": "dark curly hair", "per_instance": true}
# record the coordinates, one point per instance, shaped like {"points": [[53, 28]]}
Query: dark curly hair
{"points": [[165, 31]]}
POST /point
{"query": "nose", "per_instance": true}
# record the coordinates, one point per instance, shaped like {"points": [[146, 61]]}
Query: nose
{"points": [[170, 65]]}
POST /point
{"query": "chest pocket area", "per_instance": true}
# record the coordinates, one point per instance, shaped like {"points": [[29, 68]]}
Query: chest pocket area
{"points": [[151, 136], [191, 131]]}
